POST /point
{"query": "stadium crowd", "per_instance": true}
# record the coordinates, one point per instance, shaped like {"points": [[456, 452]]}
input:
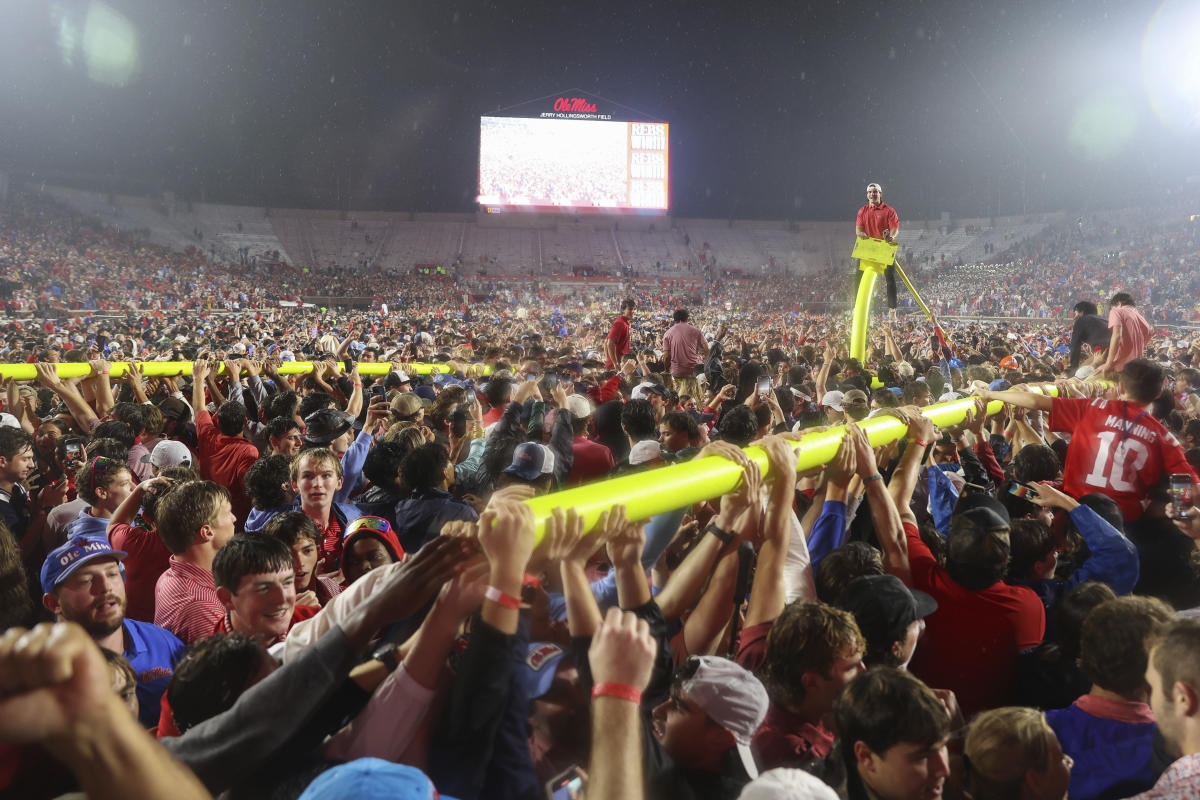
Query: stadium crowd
{"points": [[329, 584]]}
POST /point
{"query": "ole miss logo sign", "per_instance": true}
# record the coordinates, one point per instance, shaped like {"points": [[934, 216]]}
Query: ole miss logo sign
{"points": [[575, 104], [574, 108]]}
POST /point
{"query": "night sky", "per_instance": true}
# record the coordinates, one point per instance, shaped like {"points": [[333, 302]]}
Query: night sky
{"points": [[778, 110]]}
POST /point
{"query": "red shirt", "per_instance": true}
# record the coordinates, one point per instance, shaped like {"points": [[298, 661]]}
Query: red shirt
{"points": [[618, 334], [1117, 448], [972, 641], [591, 460], [185, 601], [148, 558], [226, 460], [874, 220], [331, 539]]}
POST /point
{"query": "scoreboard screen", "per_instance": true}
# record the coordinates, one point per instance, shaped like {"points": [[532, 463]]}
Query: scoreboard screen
{"points": [[573, 163]]}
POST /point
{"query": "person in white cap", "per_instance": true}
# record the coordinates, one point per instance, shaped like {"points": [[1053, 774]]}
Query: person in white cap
{"points": [[704, 729], [169, 453], [787, 784], [833, 405], [591, 459]]}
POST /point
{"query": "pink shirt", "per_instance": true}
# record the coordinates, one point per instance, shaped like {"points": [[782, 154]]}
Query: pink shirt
{"points": [[685, 346], [1135, 332]]}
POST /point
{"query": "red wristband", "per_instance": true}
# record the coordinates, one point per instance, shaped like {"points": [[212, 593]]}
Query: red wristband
{"points": [[501, 598], [919, 443], [618, 690]]}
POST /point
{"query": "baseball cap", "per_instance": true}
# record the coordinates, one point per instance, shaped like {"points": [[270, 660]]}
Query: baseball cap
{"points": [[948, 396], [396, 377], [984, 510], [406, 405], [783, 783], [835, 400], [884, 607], [1009, 362], [425, 393], [446, 379], [531, 461], [326, 424], [579, 406], [648, 387], [731, 697], [173, 408], [854, 397], [9, 420], [537, 671], [999, 385], [77, 551], [169, 453], [372, 779]]}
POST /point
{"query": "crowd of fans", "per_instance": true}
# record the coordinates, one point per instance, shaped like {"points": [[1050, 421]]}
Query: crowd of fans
{"points": [[329, 584]]}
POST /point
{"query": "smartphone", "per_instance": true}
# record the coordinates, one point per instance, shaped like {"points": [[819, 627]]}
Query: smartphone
{"points": [[70, 452], [764, 387], [1180, 488], [531, 377], [378, 391], [552, 379], [569, 785], [1019, 489]]}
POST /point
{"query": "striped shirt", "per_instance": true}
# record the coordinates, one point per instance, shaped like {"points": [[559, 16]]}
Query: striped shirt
{"points": [[331, 540], [185, 601]]}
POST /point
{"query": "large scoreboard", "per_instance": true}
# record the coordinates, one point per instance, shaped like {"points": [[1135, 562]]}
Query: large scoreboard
{"points": [[573, 158]]}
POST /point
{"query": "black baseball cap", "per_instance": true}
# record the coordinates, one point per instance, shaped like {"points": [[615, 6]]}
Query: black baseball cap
{"points": [[884, 607]]}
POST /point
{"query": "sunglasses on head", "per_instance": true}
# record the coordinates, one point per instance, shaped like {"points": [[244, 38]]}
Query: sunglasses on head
{"points": [[378, 524], [99, 463]]}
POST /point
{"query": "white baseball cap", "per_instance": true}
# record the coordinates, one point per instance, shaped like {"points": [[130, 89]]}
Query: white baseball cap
{"points": [[169, 453], [834, 400], [579, 405], [731, 697], [783, 783]]}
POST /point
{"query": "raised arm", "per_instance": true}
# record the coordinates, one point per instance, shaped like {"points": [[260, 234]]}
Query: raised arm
{"points": [[72, 399], [622, 656], [1029, 400], [885, 517], [735, 513], [767, 593]]}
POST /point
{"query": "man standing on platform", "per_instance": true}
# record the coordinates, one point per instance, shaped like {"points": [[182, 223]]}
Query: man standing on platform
{"points": [[878, 220]]}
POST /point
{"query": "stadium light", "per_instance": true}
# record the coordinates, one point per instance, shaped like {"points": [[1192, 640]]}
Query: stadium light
{"points": [[1171, 64]]}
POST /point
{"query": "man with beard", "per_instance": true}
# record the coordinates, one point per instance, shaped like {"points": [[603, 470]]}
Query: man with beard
{"points": [[84, 583]]}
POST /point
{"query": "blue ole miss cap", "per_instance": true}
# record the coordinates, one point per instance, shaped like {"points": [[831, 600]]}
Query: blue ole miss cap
{"points": [[65, 559]]}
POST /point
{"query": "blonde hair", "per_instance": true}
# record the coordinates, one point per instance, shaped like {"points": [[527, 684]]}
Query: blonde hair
{"points": [[1002, 746], [319, 457]]}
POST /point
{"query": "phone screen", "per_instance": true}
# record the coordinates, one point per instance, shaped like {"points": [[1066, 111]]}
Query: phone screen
{"points": [[764, 386], [1019, 489], [569, 785]]}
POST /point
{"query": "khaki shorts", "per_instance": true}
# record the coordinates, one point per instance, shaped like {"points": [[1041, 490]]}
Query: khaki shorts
{"points": [[688, 385]]}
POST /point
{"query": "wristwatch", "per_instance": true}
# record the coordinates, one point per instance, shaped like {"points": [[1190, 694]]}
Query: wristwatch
{"points": [[388, 655], [725, 536]]}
